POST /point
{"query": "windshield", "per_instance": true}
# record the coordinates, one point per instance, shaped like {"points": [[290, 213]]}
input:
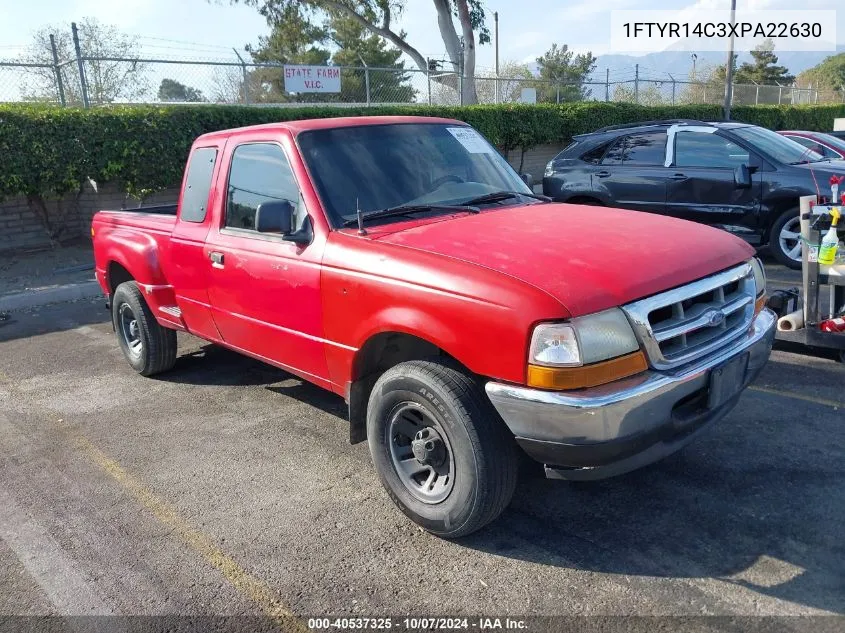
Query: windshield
{"points": [[777, 147], [833, 141], [377, 167]]}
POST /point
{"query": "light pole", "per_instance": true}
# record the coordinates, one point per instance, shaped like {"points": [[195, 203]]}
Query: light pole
{"points": [[496, 35], [729, 74]]}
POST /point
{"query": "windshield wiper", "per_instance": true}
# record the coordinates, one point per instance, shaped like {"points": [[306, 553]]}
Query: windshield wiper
{"points": [[412, 208], [498, 196]]}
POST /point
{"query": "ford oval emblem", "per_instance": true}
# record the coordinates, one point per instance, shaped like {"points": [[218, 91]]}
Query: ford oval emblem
{"points": [[714, 317]]}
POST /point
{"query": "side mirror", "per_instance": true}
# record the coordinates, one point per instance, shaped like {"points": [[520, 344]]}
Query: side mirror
{"points": [[275, 216], [528, 179], [742, 177]]}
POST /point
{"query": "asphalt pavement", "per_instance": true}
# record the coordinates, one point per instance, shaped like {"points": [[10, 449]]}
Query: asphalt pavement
{"points": [[228, 488]]}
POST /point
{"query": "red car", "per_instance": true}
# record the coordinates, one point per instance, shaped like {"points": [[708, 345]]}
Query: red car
{"points": [[401, 263], [827, 145]]}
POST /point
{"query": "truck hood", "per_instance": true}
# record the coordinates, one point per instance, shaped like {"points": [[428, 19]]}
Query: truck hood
{"points": [[588, 258]]}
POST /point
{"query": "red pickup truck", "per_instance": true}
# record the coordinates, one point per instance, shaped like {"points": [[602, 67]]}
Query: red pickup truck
{"points": [[401, 263]]}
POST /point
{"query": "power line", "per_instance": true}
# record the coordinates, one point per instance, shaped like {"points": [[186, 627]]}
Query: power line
{"points": [[171, 41]]}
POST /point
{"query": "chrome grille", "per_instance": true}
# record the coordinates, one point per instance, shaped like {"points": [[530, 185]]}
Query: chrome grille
{"points": [[686, 323]]}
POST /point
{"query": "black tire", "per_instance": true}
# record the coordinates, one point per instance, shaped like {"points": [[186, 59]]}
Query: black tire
{"points": [[156, 349], [481, 450], [774, 240], [589, 202]]}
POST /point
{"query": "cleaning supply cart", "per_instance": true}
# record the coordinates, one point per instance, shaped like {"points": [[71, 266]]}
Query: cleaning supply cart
{"points": [[820, 321]]}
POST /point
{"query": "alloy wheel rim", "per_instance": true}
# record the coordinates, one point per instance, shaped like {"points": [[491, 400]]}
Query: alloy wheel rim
{"points": [[421, 454], [790, 239]]}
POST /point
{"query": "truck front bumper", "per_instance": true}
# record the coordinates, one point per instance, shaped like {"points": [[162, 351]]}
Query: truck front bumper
{"points": [[619, 427]]}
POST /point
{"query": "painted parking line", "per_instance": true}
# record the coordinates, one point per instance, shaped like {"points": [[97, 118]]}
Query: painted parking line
{"points": [[798, 396], [243, 582]]}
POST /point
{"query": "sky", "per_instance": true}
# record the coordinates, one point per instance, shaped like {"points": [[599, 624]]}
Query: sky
{"points": [[211, 28]]}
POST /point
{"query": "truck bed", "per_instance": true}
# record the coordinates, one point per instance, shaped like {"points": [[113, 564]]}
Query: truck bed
{"points": [[159, 218]]}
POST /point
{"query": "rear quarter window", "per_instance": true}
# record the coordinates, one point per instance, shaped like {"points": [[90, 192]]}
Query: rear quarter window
{"points": [[595, 155], [198, 184]]}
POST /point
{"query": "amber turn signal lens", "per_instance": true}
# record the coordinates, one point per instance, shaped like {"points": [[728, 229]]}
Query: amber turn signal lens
{"points": [[760, 304], [562, 378]]}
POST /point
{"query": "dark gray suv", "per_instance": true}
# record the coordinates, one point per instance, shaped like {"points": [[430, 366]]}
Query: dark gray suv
{"points": [[742, 178]]}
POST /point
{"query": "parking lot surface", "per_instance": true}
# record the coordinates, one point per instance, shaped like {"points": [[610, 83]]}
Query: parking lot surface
{"points": [[228, 487]]}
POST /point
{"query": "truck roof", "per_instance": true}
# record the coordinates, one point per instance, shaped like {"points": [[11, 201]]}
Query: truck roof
{"points": [[328, 123]]}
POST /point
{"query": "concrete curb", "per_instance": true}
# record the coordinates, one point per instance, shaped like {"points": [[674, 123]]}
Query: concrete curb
{"points": [[46, 296]]}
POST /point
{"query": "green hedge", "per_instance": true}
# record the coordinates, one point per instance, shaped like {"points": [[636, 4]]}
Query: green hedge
{"points": [[46, 151]]}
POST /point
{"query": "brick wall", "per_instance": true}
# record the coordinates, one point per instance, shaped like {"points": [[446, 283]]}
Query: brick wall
{"points": [[20, 228]]}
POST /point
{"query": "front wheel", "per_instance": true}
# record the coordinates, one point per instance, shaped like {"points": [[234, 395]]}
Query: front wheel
{"points": [[440, 449], [785, 239]]}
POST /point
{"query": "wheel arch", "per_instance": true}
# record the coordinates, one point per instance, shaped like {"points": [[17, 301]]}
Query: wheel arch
{"points": [[116, 274], [380, 352]]}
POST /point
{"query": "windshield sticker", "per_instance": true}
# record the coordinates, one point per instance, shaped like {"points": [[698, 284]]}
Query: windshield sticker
{"points": [[471, 140]]}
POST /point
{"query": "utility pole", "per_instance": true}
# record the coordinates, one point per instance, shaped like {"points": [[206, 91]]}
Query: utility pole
{"points": [[636, 83], [496, 35], [729, 75], [461, 70], [607, 84], [82, 83]]}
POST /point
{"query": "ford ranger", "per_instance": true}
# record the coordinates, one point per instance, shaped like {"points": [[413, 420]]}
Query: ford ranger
{"points": [[401, 263]]}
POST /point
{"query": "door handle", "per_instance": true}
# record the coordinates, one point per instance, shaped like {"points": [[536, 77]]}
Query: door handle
{"points": [[602, 174], [216, 259], [679, 177]]}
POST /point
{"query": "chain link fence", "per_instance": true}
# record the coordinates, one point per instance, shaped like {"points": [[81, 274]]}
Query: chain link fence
{"points": [[96, 81]]}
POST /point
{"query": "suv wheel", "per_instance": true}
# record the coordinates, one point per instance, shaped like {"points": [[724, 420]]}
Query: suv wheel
{"points": [[785, 239]]}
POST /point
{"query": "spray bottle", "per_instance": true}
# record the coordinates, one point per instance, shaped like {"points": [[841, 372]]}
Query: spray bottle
{"points": [[827, 251]]}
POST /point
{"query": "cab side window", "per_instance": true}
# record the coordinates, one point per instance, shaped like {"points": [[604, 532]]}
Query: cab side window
{"points": [[198, 184], [260, 172]]}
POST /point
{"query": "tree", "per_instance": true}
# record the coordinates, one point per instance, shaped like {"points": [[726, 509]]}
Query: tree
{"points": [[561, 69], [706, 86], [296, 40], [107, 81], [649, 94], [513, 77], [292, 40], [172, 90], [764, 69], [377, 17], [829, 75], [228, 85], [356, 46]]}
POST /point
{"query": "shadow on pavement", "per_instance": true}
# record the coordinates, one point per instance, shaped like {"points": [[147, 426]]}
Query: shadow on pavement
{"points": [[758, 501]]}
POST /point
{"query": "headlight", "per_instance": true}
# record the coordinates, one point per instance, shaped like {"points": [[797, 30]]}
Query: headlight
{"points": [[583, 340], [759, 275], [550, 168]]}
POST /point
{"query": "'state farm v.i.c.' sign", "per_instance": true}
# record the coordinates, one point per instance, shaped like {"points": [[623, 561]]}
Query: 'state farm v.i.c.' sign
{"points": [[312, 79]]}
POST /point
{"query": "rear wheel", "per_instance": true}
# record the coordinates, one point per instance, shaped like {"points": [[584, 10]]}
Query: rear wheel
{"points": [[148, 347], [441, 451], [785, 239]]}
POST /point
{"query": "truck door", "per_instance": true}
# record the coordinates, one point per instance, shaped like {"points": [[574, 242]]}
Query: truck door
{"points": [[264, 291], [187, 269]]}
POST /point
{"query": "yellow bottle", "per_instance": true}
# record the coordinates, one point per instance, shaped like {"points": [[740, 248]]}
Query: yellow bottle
{"points": [[827, 251]]}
